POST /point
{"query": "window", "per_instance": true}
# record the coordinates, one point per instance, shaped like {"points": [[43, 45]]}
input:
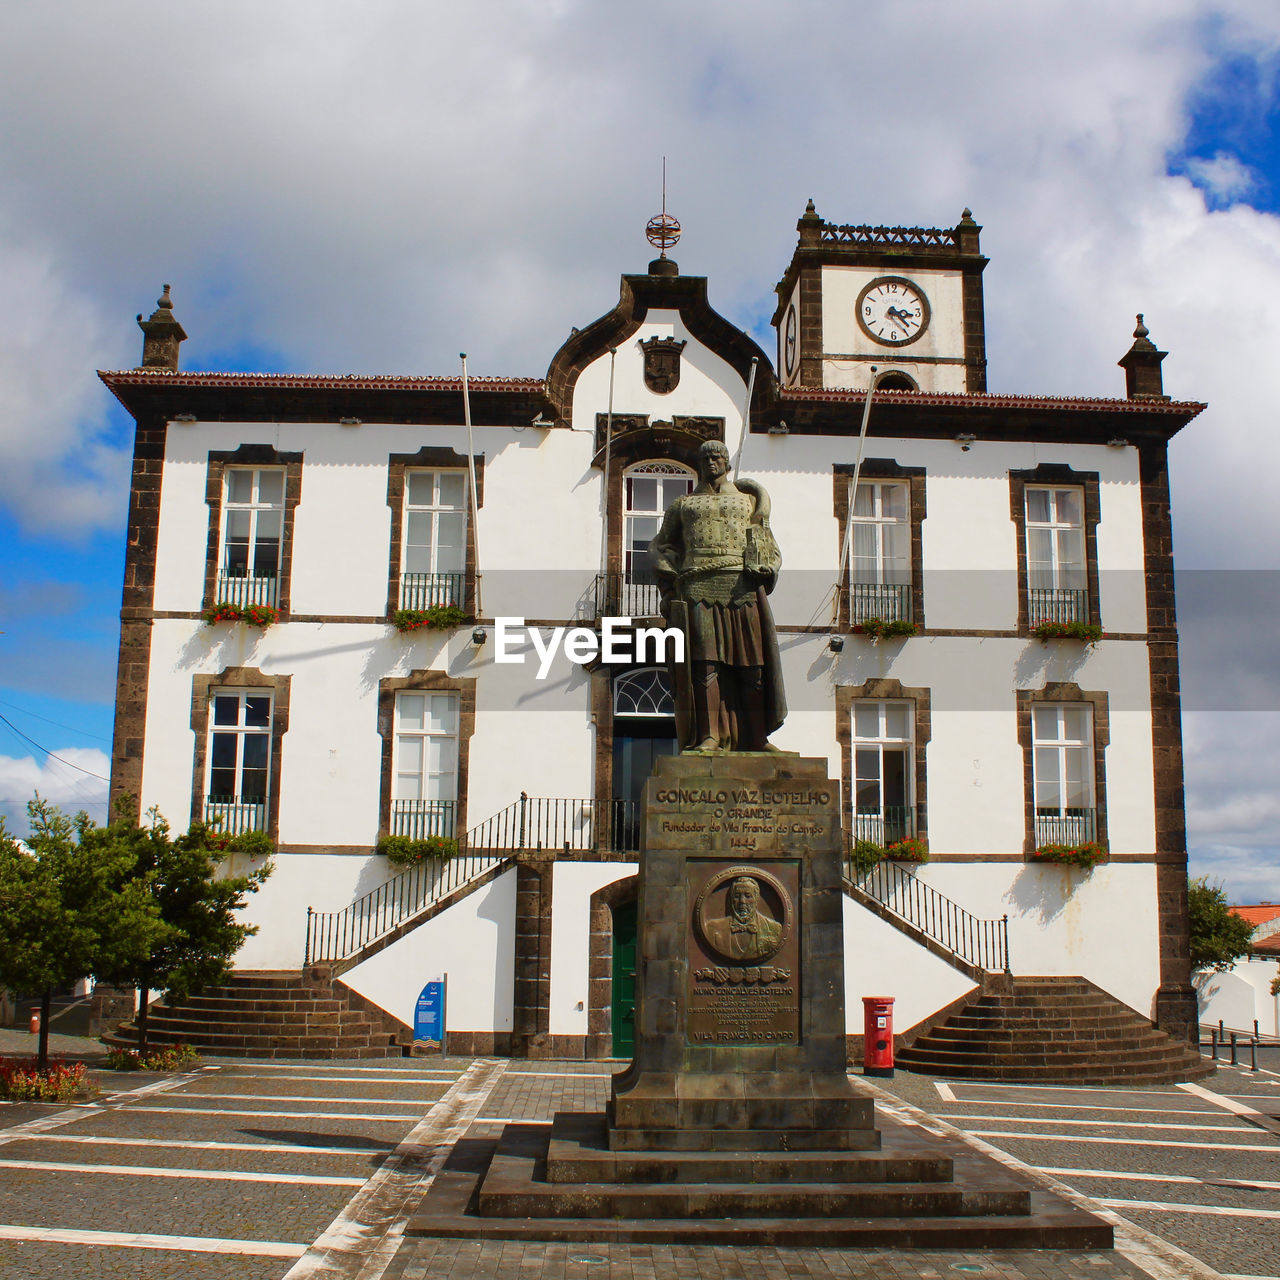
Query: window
{"points": [[882, 750], [253, 525], [434, 554], [648, 490], [1057, 581], [424, 787], [1065, 812], [880, 558], [239, 761]]}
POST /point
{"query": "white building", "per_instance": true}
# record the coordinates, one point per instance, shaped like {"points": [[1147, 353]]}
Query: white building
{"points": [[338, 500]]}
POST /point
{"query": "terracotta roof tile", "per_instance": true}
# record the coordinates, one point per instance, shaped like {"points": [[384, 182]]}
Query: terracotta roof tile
{"points": [[955, 400], [1259, 913]]}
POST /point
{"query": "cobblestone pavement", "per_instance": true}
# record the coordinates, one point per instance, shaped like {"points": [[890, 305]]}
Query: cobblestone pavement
{"points": [[1182, 1161], [259, 1170]]}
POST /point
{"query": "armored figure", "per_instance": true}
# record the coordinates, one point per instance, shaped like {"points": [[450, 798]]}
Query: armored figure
{"points": [[716, 561]]}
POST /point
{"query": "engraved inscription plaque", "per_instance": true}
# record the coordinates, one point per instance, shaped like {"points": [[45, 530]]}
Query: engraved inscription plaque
{"points": [[744, 952]]}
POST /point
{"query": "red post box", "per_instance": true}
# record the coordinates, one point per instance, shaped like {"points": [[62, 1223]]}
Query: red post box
{"points": [[877, 1035]]}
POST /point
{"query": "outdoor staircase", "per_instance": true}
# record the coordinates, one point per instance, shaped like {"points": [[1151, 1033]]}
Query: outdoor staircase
{"points": [[299, 1014], [1060, 1030]]}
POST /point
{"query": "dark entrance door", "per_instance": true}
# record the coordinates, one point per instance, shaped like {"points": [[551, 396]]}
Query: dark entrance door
{"points": [[623, 994]]}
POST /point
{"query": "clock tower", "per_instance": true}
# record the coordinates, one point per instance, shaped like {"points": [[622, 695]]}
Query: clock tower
{"points": [[905, 299]]}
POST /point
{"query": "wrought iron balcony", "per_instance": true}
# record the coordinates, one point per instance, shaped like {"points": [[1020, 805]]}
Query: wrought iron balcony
{"points": [[1066, 826], [1056, 604], [244, 591], [418, 819], [620, 595], [232, 817], [893, 823], [888, 601], [428, 590]]}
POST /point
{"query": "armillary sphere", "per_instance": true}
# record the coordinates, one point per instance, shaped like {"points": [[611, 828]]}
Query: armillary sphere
{"points": [[662, 232]]}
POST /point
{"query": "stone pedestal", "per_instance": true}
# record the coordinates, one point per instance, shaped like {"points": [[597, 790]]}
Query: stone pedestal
{"points": [[740, 1023]]}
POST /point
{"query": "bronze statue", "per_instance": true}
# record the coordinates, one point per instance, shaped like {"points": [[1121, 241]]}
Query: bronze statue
{"points": [[746, 933], [716, 561]]}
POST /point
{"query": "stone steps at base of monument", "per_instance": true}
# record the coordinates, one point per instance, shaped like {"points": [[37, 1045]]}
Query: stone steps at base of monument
{"points": [[1060, 1030]]}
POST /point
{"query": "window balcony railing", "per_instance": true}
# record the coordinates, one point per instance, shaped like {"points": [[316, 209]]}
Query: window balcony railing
{"points": [[1066, 826], [429, 590], [245, 591], [233, 817], [620, 595], [889, 601], [1056, 604], [418, 819], [886, 827]]}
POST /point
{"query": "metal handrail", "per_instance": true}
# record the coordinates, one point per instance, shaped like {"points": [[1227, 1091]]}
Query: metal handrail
{"points": [[429, 590], [888, 601], [532, 822], [621, 595], [1068, 826], [246, 590], [983, 943], [1057, 604]]}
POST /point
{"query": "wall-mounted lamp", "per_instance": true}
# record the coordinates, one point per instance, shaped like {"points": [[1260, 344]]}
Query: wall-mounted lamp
{"points": [[1117, 442], [964, 440], [780, 428], [542, 421], [479, 636], [349, 422], [836, 644], [184, 417]]}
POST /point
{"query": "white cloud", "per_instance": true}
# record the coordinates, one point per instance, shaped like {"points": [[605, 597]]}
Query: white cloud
{"points": [[67, 785], [1224, 176]]}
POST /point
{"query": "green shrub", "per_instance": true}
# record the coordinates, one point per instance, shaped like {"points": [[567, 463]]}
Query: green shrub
{"points": [[22, 1080], [1087, 854], [404, 851], [439, 617], [1089, 632], [866, 853], [172, 1057]]}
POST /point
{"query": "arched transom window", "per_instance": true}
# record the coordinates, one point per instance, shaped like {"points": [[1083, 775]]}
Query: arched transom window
{"points": [[643, 692]]}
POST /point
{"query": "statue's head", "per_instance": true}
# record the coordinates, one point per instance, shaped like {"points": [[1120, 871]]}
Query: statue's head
{"points": [[713, 458]]}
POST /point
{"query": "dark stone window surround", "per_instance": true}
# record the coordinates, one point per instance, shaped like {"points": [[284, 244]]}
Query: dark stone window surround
{"points": [[251, 455], [917, 510], [1062, 692], [424, 681], [1059, 475], [202, 687], [429, 458], [879, 690], [604, 902]]}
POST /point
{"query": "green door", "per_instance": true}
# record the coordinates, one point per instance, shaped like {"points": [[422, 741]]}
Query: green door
{"points": [[624, 980]]}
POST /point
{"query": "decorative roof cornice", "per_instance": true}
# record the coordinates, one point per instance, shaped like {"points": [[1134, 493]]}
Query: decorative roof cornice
{"points": [[1186, 409], [321, 382]]}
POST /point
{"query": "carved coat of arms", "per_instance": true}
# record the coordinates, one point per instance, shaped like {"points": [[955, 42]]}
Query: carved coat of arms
{"points": [[662, 364]]}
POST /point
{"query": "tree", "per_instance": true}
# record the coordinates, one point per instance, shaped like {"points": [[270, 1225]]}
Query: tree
{"points": [[197, 906], [68, 908], [1219, 937]]}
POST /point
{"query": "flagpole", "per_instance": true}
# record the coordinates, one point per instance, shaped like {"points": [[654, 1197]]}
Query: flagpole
{"points": [[604, 490], [853, 494], [471, 472], [746, 415]]}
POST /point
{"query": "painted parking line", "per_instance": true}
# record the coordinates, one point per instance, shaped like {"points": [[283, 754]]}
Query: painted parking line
{"points": [[509, 1120], [316, 1066], [185, 1244], [944, 1091], [274, 1115], [398, 1078], [203, 1175], [1084, 1106], [188, 1144], [1237, 1184], [296, 1097], [566, 1075], [1122, 1142], [1208, 1210], [1236, 1108], [1111, 1124]]}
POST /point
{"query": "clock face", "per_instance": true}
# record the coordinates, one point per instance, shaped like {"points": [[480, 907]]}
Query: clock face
{"points": [[789, 341], [893, 311]]}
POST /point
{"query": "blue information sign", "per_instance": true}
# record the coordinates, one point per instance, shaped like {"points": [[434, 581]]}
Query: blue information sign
{"points": [[428, 1015]]}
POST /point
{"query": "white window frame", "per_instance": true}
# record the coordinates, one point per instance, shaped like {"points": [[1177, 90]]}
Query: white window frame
{"points": [[432, 809], [1063, 823], [647, 693], [880, 584], [635, 559], [255, 507], [870, 823], [1059, 575], [234, 811]]}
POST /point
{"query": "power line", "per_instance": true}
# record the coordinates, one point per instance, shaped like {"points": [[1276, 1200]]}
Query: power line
{"points": [[14, 728], [56, 723]]}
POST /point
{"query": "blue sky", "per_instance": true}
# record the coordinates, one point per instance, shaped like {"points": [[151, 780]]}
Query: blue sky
{"points": [[337, 194]]}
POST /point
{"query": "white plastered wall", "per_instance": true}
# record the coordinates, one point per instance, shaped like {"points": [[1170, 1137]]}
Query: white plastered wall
{"points": [[473, 942], [1240, 995]]}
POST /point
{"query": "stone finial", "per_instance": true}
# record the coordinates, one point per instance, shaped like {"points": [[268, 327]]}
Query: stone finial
{"points": [[162, 335], [810, 224], [1141, 365], [966, 232]]}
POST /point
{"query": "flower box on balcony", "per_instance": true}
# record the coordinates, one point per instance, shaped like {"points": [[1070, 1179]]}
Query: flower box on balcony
{"points": [[1086, 854], [1088, 632], [438, 617], [256, 615], [866, 853], [404, 851], [881, 629]]}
